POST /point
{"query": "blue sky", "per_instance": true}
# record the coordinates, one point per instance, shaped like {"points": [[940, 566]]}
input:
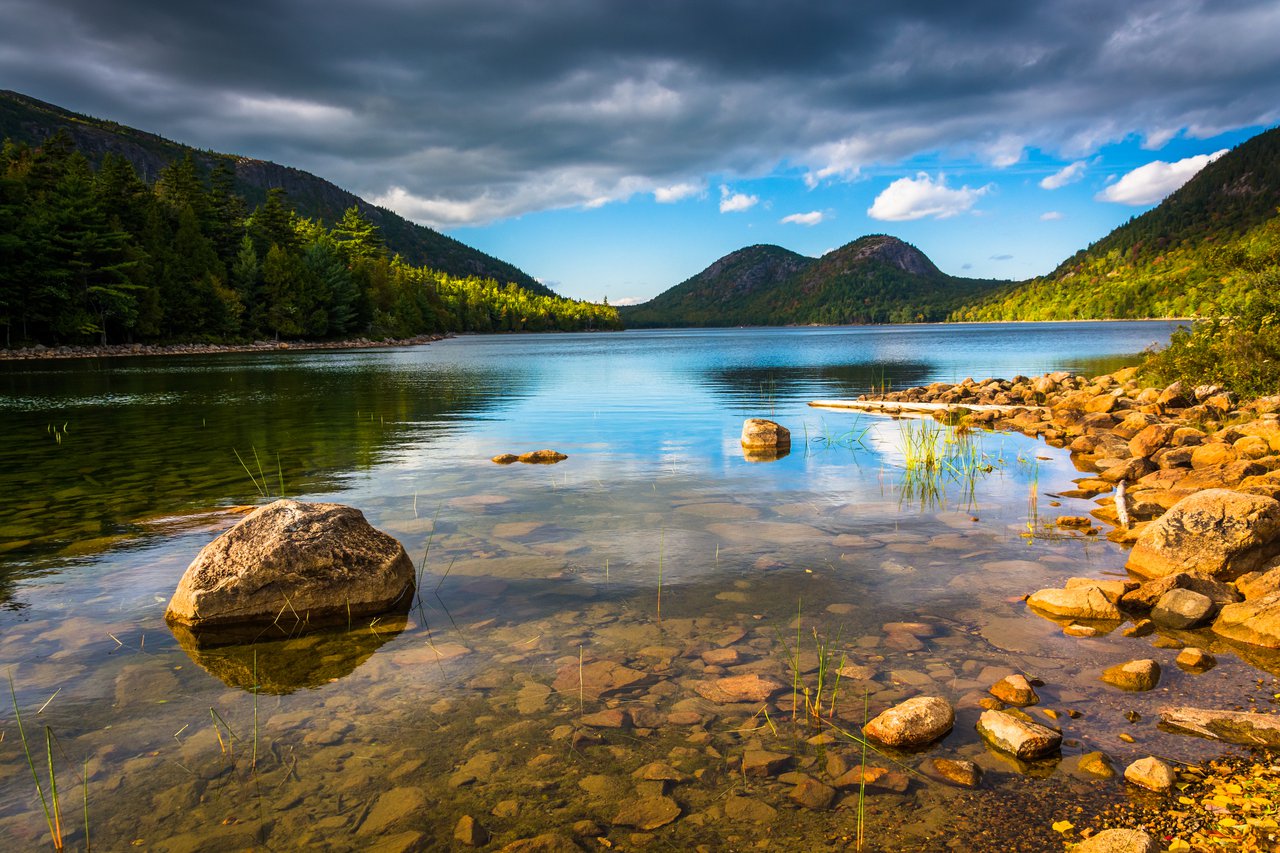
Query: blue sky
{"points": [[1006, 226], [617, 148]]}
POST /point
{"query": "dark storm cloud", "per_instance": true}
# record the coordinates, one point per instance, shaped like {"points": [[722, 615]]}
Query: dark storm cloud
{"points": [[482, 109]]}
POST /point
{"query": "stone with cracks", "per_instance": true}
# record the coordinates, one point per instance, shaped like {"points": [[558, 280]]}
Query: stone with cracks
{"points": [[738, 688], [1151, 773], [1118, 841], [1239, 727], [1256, 621], [1182, 608], [914, 723], [294, 563], [1019, 738], [1134, 675], [758, 433], [1082, 602], [1217, 532]]}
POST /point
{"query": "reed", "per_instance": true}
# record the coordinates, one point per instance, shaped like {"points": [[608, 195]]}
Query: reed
{"points": [[52, 811]]}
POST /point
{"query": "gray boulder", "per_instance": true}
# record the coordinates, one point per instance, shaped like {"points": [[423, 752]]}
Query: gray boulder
{"points": [[1217, 532], [294, 564]]}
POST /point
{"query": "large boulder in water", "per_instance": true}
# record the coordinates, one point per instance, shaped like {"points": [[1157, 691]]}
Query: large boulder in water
{"points": [[1217, 532], [295, 564]]}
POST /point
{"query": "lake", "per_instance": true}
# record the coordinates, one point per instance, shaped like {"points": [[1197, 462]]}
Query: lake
{"points": [[547, 678]]}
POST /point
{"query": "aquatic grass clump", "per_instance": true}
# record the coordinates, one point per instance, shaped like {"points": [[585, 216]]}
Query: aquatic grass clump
{"points": [[260, 482], [936, 457], [826, 438]]}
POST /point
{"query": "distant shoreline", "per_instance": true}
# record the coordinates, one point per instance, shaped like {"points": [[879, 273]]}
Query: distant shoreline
{"points": [[42, 353]]}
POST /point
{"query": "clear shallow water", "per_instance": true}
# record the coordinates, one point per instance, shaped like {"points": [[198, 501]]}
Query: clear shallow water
{"points": [[656, 546]]}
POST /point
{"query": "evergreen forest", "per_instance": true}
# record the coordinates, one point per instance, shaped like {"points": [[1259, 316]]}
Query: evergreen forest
{"points": [[101, 256]]}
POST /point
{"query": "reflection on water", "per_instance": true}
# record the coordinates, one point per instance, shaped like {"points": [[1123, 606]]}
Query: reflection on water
{"points": [[278, 666], [561, 662]]}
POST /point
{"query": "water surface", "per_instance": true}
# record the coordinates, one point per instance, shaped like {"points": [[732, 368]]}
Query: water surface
{"points": [[656, 548]]}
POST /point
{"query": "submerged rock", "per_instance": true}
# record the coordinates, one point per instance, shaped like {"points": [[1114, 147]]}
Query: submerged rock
{"points": [[966, 774], [1217, 532], [1015, 690], [914, 723], [297, 565]]}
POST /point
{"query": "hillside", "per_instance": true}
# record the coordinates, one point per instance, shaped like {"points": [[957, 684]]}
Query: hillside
{"points": [[1179, 259], [875, 279], [28, 120]]}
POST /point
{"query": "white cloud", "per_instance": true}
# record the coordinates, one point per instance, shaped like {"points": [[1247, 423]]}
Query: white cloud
{"points": [[731, 202], [1004, 152], [675, 192], [915, 198], [1066, 175], [813, 217], [1150, 183], [628, 300], [1051, 216]]}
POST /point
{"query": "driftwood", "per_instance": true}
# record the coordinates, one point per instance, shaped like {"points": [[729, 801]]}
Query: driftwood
{"points": [[1238, 727], [1122, 506], [893, 407]]}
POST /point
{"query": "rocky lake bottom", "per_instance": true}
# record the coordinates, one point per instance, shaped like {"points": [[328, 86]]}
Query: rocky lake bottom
{"points": [[626, 666]]}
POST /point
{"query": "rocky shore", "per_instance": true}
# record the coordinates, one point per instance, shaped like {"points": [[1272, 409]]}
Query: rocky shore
{"points": [[39, 351]]}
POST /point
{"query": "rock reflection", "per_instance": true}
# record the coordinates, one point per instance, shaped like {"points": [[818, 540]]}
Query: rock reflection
{"points": [[765, 454], [281, 665]]}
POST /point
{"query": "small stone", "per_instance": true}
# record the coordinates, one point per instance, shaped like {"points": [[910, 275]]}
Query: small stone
{"points": [[1151, 773], [758, 433], [1196, 660], [966, 774], [506, 458], [762, 762], [1141, 628], [1134, 675], [914, 723], [467, 831], [1077, 603], [749, 809], [1182, 608], [1096, 764], [648, 813], [612, 718], [1075, 629], [1015, 690], [542, 457], [812, 794], [738, 688]]}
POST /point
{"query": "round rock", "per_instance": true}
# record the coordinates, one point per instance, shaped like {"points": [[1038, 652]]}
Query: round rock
{"points": [[1118, 841], [758, 433], [912, 724], [1182, 608], [1015, 690], [1151, 773], [294, 562]]}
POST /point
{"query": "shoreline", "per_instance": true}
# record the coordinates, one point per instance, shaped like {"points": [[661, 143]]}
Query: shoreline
{"points": [[43, 353]]}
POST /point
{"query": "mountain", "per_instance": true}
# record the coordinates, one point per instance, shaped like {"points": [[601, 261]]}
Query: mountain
{"points": [[25, 119], [1179, 259], [875, 279]]}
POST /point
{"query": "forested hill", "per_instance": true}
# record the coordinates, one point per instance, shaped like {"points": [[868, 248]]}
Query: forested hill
{"points": [[1197, 249], [25, 119], [875, 279], [101, 256]]}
